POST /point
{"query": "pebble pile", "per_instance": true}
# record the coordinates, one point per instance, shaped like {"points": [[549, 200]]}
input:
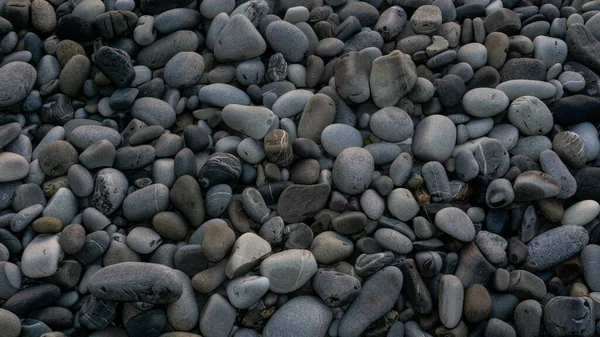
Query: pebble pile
{"points": [[299, 168]]}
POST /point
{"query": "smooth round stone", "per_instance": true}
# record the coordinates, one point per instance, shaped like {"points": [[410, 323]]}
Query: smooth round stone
{"points": [[530, 115], [13, 167], [353, 170], [378, 296], [41, 256], [74, 74], [581, 213], [120, 282], [514, 89], [531, 146], [157, 54], [247, 252], [387, 89], [535, 185], [330, 247], [221, 95], [289, 270], [372, 204], [245, 291], [394, 241], [426, 19], [338, 137], [239, 40], [588, 135], [335, 288], [100, 154], [279, 35], [319, 112], [454, 222], [254, 121], [451, 295], [170, 225], [475, 54], [479, 127], [528, 318], [570, 148], [302, 316], [10, 324], [155, 194], [25, 216], [485, 102], [153, 111], [143, 240], [352, 72], [550, 50], [548, 249], [402, 204], [434, 138], [572, 81], [16, 81], [84, 136], [72, 238], [183, 70], [45, 225], [499, 193], [568, 316], [391, 124], [291, 103]]}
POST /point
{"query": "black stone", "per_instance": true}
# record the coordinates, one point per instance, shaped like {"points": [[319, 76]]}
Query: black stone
{"points": [[116, 65], [159, 6], [96, 314], [114, 23], [57, 110], [469, 11], [583, 46], [74, 28], [271, 191], [523, 69], [220, 168], [195, 138], [450, 90], [31, 298], [575, 109], [147, 324], [484, 77]]}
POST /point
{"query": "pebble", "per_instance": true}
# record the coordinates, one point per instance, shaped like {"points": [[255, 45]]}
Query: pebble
{"points": [[434, 138], [545, 252], [353, 170], [530, 115], [289, 270], [564, 324], [301, 316]]}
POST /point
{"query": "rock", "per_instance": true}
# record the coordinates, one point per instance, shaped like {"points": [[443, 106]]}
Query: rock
{"points": [[278, 147], [456, 223], [478, 303], [9, 323], [530, 115], [136, 281], [248, 251], [581, 213], [387, 89], [485, 102], [377, 297], [391, 124], [280, 33], [220, 168], [564, 316], [184, 69], [451, 294], [535, 185], [402, 204], [493, 159], [155, 194], [545, 250], [253, 121], [353, 170], [570, 148], [217, 317], [426, 19], [434, 138], [246, 291], [13, 167], [334, 288], [301, 316], [289, 270], [239, 40], [16, 81], [298, 202], [116, 65], [153, 111], [157, 54], [337, 137], [41, 257], [352, 72], [583, 46], [114, 23]]}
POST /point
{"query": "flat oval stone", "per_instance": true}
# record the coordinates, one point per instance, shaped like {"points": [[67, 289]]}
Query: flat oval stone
{"points": [[450, 300], [485, 102], [530, 115], [434, 138], [402, 204], [298, 202], [136, 281], [456, 223], [245, 291], [302, 316], [85, 135], [289, 270], [153, 111], [353, 170], [109, 191], [535, 185], [155, 194], [581, 213], [16, 81], [247, 252], [377, 296], [568, 316], [391, 124], [555, 246], [42, 256], [337, 137], [517, 88], [13, 167], [162, 50], [254, 121]]}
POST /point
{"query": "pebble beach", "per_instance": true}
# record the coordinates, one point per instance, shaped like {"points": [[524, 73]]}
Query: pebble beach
{"points": [[299, 168]]}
